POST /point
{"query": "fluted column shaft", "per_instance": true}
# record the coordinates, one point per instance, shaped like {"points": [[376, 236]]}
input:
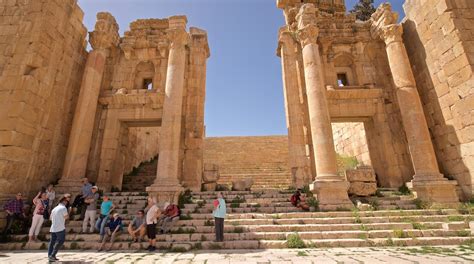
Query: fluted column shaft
{"points": [[83, 123], [413, 118], [170, 133], [320, 121], [298, 160]]}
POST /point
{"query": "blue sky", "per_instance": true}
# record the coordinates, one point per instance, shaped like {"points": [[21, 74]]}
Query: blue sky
{"points": [[244, 93]]}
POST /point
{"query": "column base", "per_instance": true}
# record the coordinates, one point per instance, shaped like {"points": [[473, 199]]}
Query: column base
{"points": [[332, 195], [70, 186], [165, 192], [441, 191]]}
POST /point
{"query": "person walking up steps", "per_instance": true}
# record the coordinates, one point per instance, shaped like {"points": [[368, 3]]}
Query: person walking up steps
{"points": [[59, 215], [219, 216]]}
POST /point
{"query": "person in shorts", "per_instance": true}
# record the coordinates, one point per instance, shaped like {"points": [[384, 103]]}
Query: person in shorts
{"points": [[151, 220]]}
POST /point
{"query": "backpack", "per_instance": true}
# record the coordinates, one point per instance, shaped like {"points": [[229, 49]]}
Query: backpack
{"points": [[294, 200]]}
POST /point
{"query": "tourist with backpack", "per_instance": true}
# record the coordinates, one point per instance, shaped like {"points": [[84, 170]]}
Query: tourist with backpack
{"points": [[297, 201], [41, 208], [219, 216], [170, 216]]}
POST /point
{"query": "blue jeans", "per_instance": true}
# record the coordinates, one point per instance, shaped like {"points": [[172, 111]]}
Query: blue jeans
{"points": [[100, 224], [57, 241]]}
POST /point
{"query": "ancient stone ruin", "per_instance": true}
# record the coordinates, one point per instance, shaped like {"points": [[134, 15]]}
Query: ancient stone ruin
{"points": [[397, 96]]}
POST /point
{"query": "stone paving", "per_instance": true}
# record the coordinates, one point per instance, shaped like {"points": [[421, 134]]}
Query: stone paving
{"points": [[461, 254]]}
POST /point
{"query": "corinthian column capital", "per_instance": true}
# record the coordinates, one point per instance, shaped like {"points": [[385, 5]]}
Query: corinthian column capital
{"points": [[105, 34], [384, 24], [308, 34], [178, 37], [391, 33], [286, 39]]}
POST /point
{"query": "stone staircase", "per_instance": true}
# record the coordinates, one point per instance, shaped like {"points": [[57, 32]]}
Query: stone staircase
{"points": [[141, 177], [265, 219], [265, 175], [263, 159]]}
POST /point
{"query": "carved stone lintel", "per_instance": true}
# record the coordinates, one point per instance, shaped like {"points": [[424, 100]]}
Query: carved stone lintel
{"points": [[105, 34], [178, 37], [308, 34]]}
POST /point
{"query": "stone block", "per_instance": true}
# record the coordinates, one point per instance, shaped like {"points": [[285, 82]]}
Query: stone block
{"points": [[242, 185], [361, 174], [362, 188], [209, 186]]}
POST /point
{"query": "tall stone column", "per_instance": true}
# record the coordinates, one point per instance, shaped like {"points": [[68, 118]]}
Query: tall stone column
{"points": [[167, 186], [428, 182], [193, 166], [331, 188], [101, 39], [299, 162]]}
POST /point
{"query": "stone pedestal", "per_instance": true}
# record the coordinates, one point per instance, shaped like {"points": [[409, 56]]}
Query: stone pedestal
{"points": [[165, 192], [440, 191], [331, 188], [428, 182], [332, 195]]}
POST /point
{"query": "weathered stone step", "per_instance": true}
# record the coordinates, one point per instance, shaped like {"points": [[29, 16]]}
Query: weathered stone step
{"points": [[250, 244], [306, 235]]}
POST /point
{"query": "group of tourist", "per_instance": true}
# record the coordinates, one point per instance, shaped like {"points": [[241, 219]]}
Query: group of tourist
{"points": [[108, 224]]}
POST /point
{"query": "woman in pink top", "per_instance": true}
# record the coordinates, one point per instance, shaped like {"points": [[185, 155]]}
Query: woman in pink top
{"points": [[40, 202]]}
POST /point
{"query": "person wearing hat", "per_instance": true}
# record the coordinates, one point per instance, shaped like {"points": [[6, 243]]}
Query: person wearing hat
{"points": [[91, 210], [114, 228]]}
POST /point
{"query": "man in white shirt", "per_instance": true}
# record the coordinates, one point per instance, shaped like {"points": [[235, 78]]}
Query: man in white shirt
{"points": [[58, 217], [151, 220]]}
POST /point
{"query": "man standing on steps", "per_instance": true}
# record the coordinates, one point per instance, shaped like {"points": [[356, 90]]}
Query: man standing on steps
{"points": [[219, 215], [59, 215], [91, 210], [152, 215]]}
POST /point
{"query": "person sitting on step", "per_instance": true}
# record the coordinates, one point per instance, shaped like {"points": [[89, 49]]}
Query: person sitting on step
{"points": [[298, 201], [169, 217], [113, 229], [105, 208], [14, 209], [79, 202], [137, 227]]}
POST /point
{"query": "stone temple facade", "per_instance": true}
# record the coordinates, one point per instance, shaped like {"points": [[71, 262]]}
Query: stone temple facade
{"points": [[337, 69], [398, 96], [67, 113]]}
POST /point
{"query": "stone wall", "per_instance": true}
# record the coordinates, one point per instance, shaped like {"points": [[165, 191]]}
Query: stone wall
{"points": [[438, 35], [229, 152], [42, 56], [350, 140]]}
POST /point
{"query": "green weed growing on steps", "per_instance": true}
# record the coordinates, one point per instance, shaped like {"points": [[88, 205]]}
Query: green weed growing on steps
{"points": [[185, 198], [455, 218], [420, 204], [43, 246], [398, 233], [302, 254], [178, 250], [404, 190], [185, 217], [197, 246], [463, 233], [208, 222], [295, 241], [74, 246], [419, 226], [238, 230]]}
